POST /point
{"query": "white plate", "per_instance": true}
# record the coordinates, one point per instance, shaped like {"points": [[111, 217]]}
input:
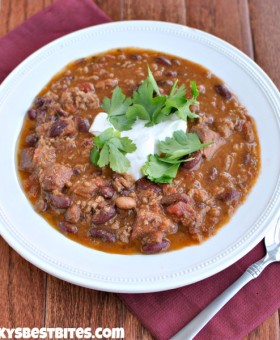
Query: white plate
{"points": [[35, 240]]}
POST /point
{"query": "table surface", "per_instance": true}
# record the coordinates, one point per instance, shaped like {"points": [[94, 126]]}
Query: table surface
{"points": [[30, 297]]}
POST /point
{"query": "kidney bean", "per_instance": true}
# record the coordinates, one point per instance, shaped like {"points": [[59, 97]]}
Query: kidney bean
{"points": [[163, 61], [153, 248], [189, 165], [26, 159], [229, 196], [135, 57], [107, 191], [145, 184], [173, 198], [73, 214], [125, 192], [104, 215], [104, 235], [57, 128], [171, 73], [62, 113], [125, 203], [165, 82], [31, 140], [42, 103], [223, 91], [68, 227], [247, 158], [82, 124], [76, 171], [41, 205], [176, 61], [60, 201], [32, 114]]}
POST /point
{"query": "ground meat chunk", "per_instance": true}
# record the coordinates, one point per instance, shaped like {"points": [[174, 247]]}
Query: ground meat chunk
{"points": [[152, 227], [55, 177], [121, 182], [248, 132], [173, 198], [76, 98], [87, 188], [206, 135], [44, 155], [42, 129], [26, 160], [225, 127]]}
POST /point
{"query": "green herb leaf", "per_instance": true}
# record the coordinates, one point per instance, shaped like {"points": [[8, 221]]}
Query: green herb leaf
{"points": [[195, 92], [147, 103], [116, 109], [163, 169], [180, 145], [118, 162], [159, 171], [153, 82], [94, 155], [110, 149]]}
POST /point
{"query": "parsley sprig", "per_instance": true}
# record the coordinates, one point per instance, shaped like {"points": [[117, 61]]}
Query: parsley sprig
{"points": [[110, 149], [163, 169], [147, 103]]}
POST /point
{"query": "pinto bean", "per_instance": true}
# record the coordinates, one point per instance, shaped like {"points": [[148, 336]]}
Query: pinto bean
{"points": [[170, 199], [60, 201], [153, 248], [145, 184], [104, 215], [82, 124], [223, 91], [68, 227], [107, 191], [163, 61], [104, 235], [125, 203], [31, 140], [57, 128], [189, 165]]}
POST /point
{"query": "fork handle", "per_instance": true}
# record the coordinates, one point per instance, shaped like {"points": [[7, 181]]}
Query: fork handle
{"points": [[195, 326]]}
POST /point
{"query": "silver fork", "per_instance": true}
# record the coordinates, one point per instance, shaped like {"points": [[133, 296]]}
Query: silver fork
{"points": [[272, 245]]}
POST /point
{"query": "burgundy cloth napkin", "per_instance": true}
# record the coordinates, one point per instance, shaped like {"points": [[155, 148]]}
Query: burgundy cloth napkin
{"points": [[166, 312]]}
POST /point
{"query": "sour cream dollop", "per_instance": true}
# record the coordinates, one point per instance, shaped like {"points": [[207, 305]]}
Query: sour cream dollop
{"points": [[145, 138]]}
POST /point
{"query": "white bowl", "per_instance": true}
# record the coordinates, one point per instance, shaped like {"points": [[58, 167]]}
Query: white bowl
{"points": [[31, 236]]}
